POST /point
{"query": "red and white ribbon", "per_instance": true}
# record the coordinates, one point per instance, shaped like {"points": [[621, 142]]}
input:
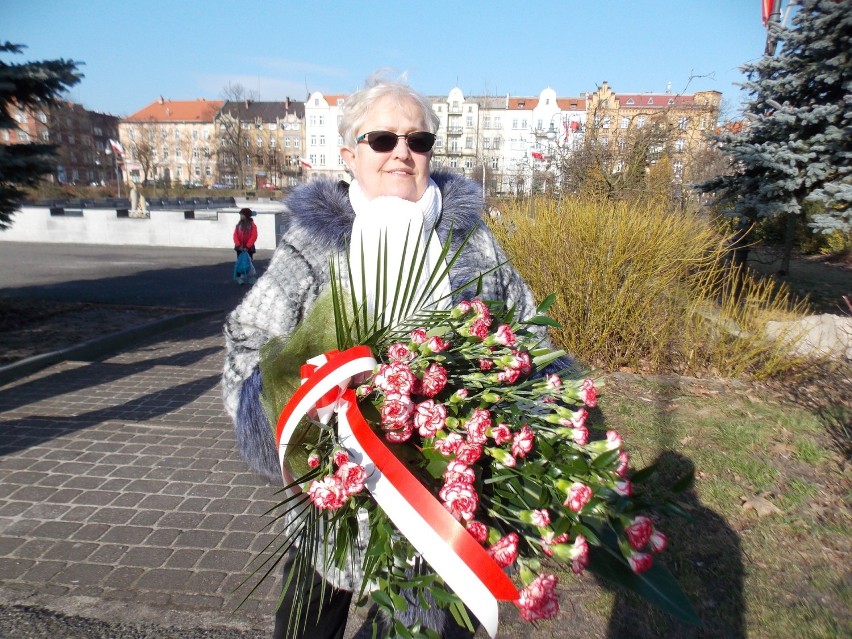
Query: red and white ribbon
{"points": [[443, 542]]}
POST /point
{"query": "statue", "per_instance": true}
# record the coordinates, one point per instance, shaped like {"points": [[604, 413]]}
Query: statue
{"points": [[134, 197]]}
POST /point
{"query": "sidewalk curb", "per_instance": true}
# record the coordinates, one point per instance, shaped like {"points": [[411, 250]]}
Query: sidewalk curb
{"points": [[101, 346]]}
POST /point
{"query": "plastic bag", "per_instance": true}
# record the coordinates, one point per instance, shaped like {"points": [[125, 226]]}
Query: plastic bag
{"points": [[244, 270]]}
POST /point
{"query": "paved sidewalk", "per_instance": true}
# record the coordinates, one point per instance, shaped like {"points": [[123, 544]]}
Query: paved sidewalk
{"points": [[121, 497]]}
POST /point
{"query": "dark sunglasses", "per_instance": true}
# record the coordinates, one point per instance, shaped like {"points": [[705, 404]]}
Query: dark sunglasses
{"points": [[385, 141]]}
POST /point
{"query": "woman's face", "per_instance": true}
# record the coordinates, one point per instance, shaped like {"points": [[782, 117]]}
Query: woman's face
{"points": [[400, 172]]}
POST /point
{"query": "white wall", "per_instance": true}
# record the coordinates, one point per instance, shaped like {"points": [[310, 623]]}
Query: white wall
{"points": [[162, 228]]}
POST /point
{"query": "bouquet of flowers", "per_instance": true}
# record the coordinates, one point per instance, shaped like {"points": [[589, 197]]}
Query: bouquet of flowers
{"points": [[441, 455]]}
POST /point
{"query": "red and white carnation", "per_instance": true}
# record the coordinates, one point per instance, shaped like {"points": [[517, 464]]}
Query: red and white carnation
{"points": [[505, 550], [352, 477], [589, 393], [429, 417], [327, 493], [538, 600], [522, 443], [460, 499], [640, 562], [501, 433], [398, 352], [395, 377], [639, 532], [578, 496], [434, 380]]}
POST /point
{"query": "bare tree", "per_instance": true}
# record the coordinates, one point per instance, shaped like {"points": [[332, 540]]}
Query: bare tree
{"points": [[236, 144]]}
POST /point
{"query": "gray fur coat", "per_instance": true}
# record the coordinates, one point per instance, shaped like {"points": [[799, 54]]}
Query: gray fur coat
{"points": [[320, 223]]}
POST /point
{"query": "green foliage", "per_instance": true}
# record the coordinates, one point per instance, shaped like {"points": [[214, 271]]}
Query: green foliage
{"points": [[645, 287], [795, 146], [24, 86]]}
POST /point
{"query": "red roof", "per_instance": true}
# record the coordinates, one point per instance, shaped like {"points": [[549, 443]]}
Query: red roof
{"points": [[571, 104], [177, 111]]}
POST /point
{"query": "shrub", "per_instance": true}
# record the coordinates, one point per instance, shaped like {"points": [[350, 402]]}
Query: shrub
{"points": [[645, 287]]}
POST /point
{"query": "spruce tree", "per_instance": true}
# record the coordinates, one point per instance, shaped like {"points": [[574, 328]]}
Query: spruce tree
{"points": [[27, 85], [795, 145]]}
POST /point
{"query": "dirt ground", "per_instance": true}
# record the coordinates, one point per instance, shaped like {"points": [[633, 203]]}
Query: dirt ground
{"points": [[824, 280]]}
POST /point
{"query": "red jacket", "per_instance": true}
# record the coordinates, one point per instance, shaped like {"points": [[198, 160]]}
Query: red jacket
{"points": [[245, 238]]}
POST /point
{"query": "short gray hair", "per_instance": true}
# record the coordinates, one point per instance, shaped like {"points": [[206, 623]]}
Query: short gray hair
{"points": [[357, 105]]}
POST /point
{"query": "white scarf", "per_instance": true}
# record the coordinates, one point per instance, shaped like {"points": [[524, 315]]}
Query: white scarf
{"points": [[390, 221]]}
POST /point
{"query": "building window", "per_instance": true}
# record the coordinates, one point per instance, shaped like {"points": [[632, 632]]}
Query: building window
{"points": [[604, 141], [680, 145], [539, 124], [677, 167], [650, 100], [322, 159], [625, 122], [322, 140], [321, 120], [273, 143], [195, 154], [486, 143], [259, 142], [468, 142], [208, 172], [469, 121], [468, 163], [496, 143], [454, 163], [165, 153], [640, 121], [486, 123], [682, 122], [313, 158], [495, 163], [497, 123], [287, 143], [524, 124], [312, 120], [439, 142], [297, 143], [631, 101], [605, 122], [313, 140], [514, 123], [177, 153]]}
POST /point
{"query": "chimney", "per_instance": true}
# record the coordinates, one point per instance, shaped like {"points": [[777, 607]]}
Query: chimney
{"points": [[160, 100], [287, 103]]}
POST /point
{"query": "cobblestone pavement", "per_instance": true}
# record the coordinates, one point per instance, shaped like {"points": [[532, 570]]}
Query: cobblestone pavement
{"points": [[120, 495]]}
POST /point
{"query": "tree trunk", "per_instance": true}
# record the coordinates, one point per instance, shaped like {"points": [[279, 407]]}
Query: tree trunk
{"points": [[789, 234]]}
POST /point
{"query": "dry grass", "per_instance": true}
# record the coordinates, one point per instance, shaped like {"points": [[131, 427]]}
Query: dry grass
{"points": [[644, 287]]}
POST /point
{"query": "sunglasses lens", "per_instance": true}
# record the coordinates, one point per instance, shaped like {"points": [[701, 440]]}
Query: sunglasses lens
{"points": [[381, 141], [385, 141], [421, 142]]}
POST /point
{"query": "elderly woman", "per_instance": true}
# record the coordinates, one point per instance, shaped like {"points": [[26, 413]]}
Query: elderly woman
{"points": [[388, 133]]}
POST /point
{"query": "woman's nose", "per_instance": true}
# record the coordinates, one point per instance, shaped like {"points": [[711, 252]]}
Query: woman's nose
{"points": [[401, 149]]}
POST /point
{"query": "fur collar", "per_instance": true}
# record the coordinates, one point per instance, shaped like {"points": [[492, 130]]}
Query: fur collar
{"points": [[321, 207]]}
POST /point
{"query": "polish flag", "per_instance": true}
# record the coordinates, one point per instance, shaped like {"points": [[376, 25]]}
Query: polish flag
{"points": [[538, 156], [768, 7], [305, 163], [116, 147]]}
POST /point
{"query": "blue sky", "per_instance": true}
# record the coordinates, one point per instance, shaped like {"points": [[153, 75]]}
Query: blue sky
{"points": [[187, 49]]}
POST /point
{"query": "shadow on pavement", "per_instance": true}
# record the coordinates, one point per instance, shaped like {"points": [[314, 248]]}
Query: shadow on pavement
{"points": [[26, 432]]}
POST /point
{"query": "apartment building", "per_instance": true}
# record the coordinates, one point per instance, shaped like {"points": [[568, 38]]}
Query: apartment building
{"points": [[260, 143], [171, 141], [508, 144], [322, 140], [83, 154], [499, 141], [671, 124]]}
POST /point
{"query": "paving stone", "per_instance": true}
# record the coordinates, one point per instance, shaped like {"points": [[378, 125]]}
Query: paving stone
{"points": [[112, 515], [90, 532], [184, 521], [126, 534], [71, 550], [56, 529], [12, 568], [96, 497], [145, 556], [199, 538], [184, 558], [123, 577], [44, 571], [164, 579], [111, 554], [82, 573]]}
